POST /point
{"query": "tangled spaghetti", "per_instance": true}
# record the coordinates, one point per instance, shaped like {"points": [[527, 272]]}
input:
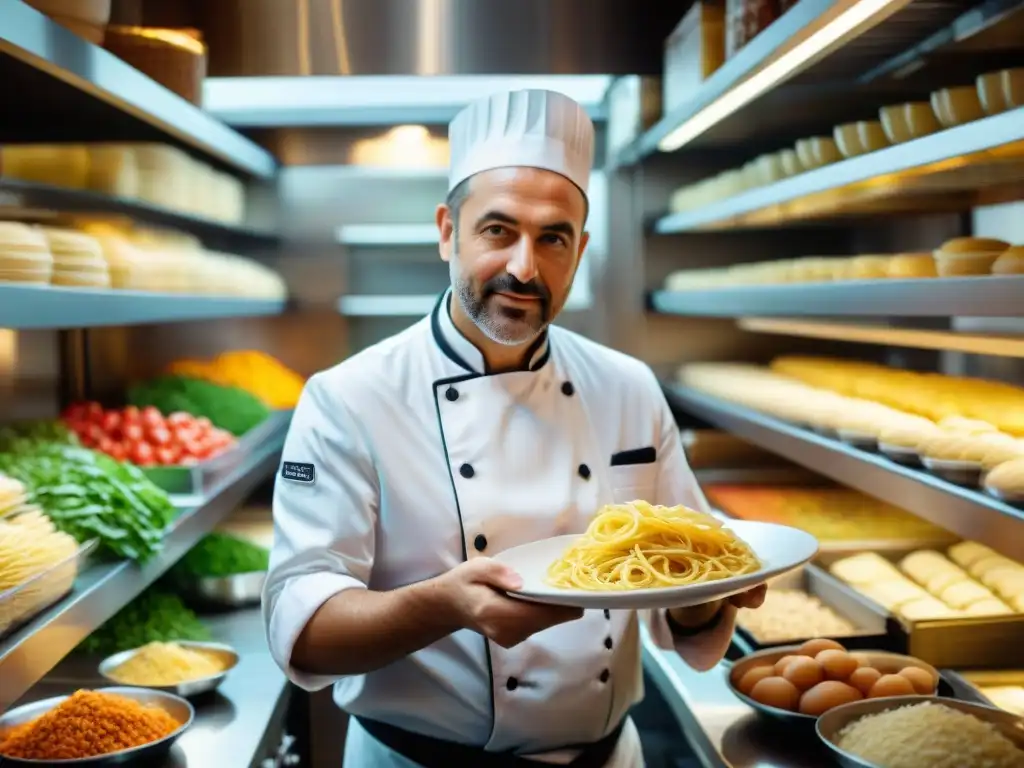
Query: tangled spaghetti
{"points": [[641, 546]]}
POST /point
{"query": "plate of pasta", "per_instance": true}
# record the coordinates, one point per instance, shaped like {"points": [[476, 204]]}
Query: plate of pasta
{"points": [[637, 555]]}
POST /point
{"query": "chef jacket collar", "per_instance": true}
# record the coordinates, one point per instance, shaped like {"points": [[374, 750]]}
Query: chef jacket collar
{"points": [[463, 352]]}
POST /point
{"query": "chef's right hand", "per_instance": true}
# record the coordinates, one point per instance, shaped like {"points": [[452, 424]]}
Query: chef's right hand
{"points": [[475, 591]]}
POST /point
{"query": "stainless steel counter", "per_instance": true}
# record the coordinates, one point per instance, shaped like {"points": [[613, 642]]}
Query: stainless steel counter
{"points": [[239, 725], [725, 732]]}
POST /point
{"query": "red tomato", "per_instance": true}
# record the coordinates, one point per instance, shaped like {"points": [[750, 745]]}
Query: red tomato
{"points": [[159, 435], [133, 432], [96, 433], [93, 410], [194, 448], [111, 422], [118, 451], [75, 412], [204, 424], [151, 416], [185, 434], [105, 444], [130, 413], [180, 419], [142, 454], [166, 455]]}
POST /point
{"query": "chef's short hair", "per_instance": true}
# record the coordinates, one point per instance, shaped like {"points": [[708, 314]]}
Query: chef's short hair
{"points": [[458, 196]]}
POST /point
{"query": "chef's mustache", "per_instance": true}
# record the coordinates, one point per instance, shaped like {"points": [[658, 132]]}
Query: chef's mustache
{"points": [[506, 283]]}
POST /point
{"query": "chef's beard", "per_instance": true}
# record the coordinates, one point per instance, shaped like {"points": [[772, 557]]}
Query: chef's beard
{"points": [[505, 325]]}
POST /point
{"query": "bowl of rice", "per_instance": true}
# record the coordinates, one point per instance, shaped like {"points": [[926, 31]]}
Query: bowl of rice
{"points": [[922, 732]]}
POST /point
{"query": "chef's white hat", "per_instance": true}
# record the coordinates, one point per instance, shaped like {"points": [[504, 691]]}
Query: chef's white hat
{"points": [[531, 129]]}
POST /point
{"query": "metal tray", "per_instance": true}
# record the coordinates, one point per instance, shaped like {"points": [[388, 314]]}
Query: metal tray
{"points": [[861, 440], [236, 591], [188, 687], [990, 642], [971, 685], [870, 632], [24, 602], [202, 478], [832, 722], [882, 660], [901, 454], [965, 473], [147, 754]]}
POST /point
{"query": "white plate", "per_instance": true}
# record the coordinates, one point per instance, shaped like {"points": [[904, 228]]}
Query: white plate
{"points": [[779, 548]]}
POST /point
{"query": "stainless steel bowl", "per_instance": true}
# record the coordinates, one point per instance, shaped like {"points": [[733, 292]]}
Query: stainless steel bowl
{"points": [[147, 754], [883, 661], [189, 687], [237, 591], [832, 722]]}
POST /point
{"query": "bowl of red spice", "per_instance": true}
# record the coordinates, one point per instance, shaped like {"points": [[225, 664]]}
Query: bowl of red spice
{"points": [[109, 726]]}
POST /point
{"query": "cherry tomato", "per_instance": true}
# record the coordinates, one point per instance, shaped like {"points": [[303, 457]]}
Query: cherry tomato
{"points": [[159, 436], [204, 424], [142, 454], [180, 419], [130, 413], [166, 455], [93, 410], [150, 415], [111, 422], [194, 448], [118, 451], [133, 432], [105, 444], [75, 412], [96, 433]]}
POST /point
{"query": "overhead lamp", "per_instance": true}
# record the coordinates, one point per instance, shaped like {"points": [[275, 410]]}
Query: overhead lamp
{"points": [[798, 57], [377, 99]]}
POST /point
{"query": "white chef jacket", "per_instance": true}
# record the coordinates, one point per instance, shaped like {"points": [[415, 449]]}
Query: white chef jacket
{"points": [[409, 458]]}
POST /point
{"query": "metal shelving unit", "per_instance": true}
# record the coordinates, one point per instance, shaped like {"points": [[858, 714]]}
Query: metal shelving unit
{"points": [[957, 160], [386, 306], [21, 196], [55, 307], [947, 297], [35, 41], [968, 513], [103, 588]]}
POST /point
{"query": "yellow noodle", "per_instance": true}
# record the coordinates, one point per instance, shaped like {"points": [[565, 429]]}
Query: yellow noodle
{"points": [[641, 546]]}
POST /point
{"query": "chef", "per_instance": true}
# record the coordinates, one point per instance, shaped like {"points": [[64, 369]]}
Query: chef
{"points": [[411, 464]]}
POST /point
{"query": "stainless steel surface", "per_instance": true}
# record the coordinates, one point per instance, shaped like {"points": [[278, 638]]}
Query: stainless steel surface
{"points": [[884, 662], [175, 706], [996, 296], [227, 655], [965, 473], [969, 513], [965, 158], [832, 722], [388, 234], [387, 306], [31, 306], [723, 731], [41, 44], [455, 37], [28, 200], [202, 479], [22, 603], [236, 591], [103, 589]]}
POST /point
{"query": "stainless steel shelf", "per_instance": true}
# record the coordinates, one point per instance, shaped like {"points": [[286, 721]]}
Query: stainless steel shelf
{"points": [[104, 588], [40, 306], [387, 306], [946, 297], [33, 39], [29, 200], [921, 173], [967, 513]]}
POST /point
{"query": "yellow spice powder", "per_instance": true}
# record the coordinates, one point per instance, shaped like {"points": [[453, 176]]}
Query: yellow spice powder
{"points": [[166, 664]]}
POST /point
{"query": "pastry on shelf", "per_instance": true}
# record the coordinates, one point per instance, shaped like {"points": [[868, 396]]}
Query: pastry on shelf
{"points": [[1007, 479], [869, 267], [1010, 262], [912, 266], [24, 254], [962, 446], [77, 259], [964, 256]]}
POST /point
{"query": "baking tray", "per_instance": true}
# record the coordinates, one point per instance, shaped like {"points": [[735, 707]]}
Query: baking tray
{"points": [[983, 642], [969, 684], [870, 634], [22, 603], [202, 478]]}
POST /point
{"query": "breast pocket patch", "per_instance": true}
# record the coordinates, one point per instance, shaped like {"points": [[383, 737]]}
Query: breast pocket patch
{"points": [[298, 472]]}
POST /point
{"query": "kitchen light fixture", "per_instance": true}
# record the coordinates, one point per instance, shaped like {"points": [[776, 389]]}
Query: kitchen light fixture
{"points": [[799, 57]]}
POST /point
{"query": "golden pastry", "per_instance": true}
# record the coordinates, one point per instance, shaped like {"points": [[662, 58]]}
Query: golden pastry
{"points": [[967, 553], [966, 426], [927, 609], [1010, 262], [988, 607], [77, 259], [24, 254], [964, 256], [870, 267], [1007, 478], [911, 266]]}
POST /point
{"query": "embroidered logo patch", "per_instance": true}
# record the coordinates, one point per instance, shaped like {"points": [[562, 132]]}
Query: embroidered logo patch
{"points": [[299, 472]]}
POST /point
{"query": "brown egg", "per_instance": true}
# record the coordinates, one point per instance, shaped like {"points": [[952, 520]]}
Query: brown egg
{"points": [[838, 665], [752, 677], [813, 647], [827, 695], [781, 664], [891, 685], [863, 678], [804, 673], [776, 692], [921, 679]]}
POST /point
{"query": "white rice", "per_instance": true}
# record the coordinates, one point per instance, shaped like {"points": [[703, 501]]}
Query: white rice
{"points": [[928, 735]]}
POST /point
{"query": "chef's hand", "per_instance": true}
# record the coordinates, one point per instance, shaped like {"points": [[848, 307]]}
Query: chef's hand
{"points": [[700, 615], [475, 591]]}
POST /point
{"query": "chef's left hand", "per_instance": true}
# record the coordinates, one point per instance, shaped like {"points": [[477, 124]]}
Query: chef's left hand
{"points": [[699, 615]]}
